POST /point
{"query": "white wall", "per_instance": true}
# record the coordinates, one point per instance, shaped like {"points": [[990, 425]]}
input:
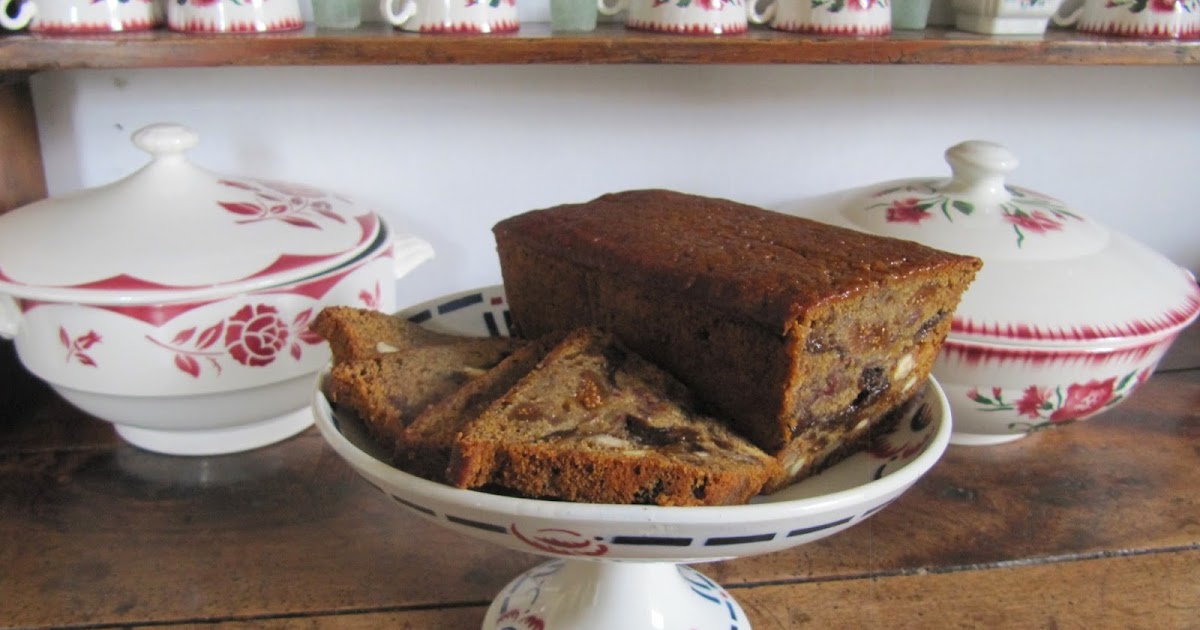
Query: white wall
{"points": [[446, 151]]}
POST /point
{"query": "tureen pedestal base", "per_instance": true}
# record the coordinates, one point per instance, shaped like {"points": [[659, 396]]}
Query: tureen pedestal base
{"points": [[218, 441], [602, 595]]}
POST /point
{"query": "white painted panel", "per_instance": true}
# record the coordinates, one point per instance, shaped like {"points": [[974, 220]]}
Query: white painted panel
{"points": [[448, 150]]}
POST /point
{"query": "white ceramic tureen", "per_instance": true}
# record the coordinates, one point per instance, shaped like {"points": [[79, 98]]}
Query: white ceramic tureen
{"points": [[175, 303], [1066, 317]]}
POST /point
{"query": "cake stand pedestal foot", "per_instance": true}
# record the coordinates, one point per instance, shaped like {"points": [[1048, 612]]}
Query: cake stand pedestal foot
{"points": [[602, 595]]}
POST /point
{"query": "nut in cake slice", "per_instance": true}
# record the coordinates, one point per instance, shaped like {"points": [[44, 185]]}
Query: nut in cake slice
{"points": [[389, 391], [594, 422]]}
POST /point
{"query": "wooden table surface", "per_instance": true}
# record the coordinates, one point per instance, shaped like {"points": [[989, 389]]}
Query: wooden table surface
{"points": [[1095, 525]]}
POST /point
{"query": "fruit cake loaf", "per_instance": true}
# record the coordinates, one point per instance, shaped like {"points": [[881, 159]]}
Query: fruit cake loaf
{"points": [[359, 333], [594, 422], [389, 391], [800, 333], [430, 438]]}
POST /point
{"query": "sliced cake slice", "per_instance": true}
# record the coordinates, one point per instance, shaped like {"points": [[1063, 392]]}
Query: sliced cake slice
{"points": [[597, 423], [359, 333], [430, 438], [389, 391]]}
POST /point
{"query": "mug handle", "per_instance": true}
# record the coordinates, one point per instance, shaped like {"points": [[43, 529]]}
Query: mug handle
{"points": [[611, 9], [407, 10], [23, 17], [1068, 20], [761, 17]]}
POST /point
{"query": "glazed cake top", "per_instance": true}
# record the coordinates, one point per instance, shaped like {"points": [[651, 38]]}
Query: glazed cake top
{"points": [[775, 267]]}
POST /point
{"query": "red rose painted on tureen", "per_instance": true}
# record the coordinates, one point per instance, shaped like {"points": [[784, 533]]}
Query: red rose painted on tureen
{"points": [[255, 334], [1084, 399]]}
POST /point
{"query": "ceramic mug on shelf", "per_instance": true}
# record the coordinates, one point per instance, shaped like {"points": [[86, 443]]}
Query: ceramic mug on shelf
{"points": [[80, 16], [1165, 19], [452, 16], [687, 17], [824, 17], [233, 16]]}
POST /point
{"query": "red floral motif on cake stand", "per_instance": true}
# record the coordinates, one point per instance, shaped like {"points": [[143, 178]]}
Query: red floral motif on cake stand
{"points": [[563, 542]]}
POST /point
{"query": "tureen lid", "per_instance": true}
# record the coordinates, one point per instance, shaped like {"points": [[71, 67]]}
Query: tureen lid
{"points": [[173, 230], [1051, 275]]}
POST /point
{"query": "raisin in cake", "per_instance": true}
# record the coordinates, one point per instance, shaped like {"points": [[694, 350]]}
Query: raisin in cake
{"points": [[359, 333], [802, 334], [596, 423], [391, 390]]}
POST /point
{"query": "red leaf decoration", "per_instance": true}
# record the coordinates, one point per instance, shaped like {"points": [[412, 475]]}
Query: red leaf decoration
{"points": [[245, 209], [183, 336], [233, 184], [89, 340], [296, 351], [330, 214], [210, 335], [309, 337], [301, 319], [188, 364], [300, 222], [64, 337], [86, 360]]}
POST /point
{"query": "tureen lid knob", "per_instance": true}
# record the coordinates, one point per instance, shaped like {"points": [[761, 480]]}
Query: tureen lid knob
{"points": [[165, 139], [979, 168]]}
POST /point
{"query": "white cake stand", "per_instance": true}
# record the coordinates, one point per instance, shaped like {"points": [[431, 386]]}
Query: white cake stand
{"points": [[625, 566]]}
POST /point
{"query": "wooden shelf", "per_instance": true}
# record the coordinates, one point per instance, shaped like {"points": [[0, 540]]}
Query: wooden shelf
{"points": [[377, 44], [1085, 526]]}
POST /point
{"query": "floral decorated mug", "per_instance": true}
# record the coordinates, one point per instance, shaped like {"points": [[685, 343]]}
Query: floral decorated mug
{"points": [[81, 16], [233, 16], [824, 17], [1167, 19], [686, 17], [452, 16]]}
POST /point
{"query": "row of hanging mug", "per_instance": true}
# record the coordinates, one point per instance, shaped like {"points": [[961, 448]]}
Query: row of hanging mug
{"points": [[1161, 18], [700, 17], [108, 16]]}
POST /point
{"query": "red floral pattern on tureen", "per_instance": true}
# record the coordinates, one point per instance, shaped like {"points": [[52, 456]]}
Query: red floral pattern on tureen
{"points": [[254, 336], [1028, 212], [78, 346], [292, 204], [1041, 407]]}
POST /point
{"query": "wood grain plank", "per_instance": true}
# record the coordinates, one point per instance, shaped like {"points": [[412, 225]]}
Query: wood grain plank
{"points": [[22, 179], [120, 536], [1151, 592], [610, 43]]}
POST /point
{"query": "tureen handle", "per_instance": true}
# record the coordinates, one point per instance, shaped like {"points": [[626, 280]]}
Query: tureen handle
{"points": [[10, 317], [978, 169], [410, 252], [165, 139]]}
